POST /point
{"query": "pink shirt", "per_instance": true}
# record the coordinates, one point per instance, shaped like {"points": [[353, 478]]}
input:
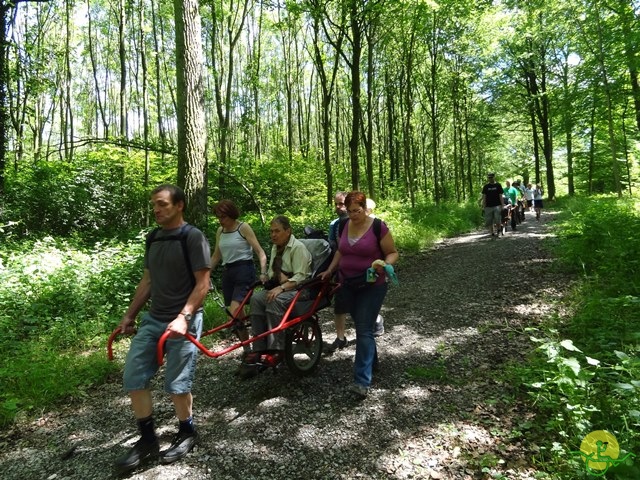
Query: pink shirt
{"points": [[357, 257]]}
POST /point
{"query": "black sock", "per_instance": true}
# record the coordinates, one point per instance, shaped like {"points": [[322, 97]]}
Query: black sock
{"points": [[187, 426], [146, 429]]}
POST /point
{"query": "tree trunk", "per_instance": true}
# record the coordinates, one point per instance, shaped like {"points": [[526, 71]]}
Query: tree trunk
{"points": [[568, 129], [4, 117], [407, 120], [540, 103], [391, 118], [96, 84], [255, 86], [192, 136], [145, 97], [592, 141], [223, 85], [69, 132], [326, 89], [432, 92], [123, 69], [368, 129], [356, 102], [628, 20], [610, 110], [157, 40]]}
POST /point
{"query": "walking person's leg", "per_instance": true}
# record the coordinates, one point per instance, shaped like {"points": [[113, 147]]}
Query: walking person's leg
{"points": [[364, 313]]}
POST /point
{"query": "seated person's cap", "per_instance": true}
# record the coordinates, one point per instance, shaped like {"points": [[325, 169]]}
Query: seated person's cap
{"points": [[491, 174]]}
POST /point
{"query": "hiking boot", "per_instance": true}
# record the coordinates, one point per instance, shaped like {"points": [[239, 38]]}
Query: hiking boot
{"points": [[250, 366], [252, 358], [379, 329], [337, 344], [180, 446], [272, 359], [360, 391], [136, 454]]}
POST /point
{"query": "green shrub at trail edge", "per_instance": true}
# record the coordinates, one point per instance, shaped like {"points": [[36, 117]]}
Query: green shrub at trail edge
{"points": [[59, 302], [585, 375]]}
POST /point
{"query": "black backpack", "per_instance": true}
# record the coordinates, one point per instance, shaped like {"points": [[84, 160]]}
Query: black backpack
{"points": [[377, 228], [180, 236]]}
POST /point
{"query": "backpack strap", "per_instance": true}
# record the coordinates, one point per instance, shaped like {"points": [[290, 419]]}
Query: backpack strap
{"points": [[182, 235], [377, 228], [341, 223]]}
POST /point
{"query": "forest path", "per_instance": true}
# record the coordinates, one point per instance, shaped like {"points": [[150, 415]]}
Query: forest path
{"points": [[439, 407]]}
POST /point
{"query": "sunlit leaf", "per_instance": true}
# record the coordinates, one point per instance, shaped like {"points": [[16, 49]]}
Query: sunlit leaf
{"points": [[568, 344], [593, 361], [624, 387], [573, 364]]}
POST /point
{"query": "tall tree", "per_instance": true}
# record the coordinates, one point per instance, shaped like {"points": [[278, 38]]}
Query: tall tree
{"points": [[6, 7], [192, 136], [4, 116], [228, 19], [629, 16], [327, 81]]}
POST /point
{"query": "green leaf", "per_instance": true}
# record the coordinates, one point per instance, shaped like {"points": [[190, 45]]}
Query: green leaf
{"points": [[621, 355], [625, 387], [593, 361], [568, 344], [573, 364]]}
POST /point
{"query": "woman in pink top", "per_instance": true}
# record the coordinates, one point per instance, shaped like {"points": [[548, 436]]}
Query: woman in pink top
{"points": [[358, 250]]}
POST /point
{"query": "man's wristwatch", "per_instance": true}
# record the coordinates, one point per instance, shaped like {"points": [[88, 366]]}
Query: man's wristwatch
{"points": [[187, 316]]}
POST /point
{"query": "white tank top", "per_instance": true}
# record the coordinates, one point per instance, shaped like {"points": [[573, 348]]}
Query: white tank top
{"points": [[234, 247]]}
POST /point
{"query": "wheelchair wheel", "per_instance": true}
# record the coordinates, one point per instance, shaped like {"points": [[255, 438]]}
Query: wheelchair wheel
{"points": [[303, 347]]}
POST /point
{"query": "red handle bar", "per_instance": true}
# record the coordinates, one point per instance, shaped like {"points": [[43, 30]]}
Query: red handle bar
{"points": [[112, 337]]}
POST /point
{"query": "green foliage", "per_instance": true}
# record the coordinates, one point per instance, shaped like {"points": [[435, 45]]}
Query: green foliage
{"points": [[36, 376], [586, 374], [420, 227], [96, 195], [294, 187], [600, 237], [59, 301]]}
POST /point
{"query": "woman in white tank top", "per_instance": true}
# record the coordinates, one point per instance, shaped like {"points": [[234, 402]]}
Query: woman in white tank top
{"points": [[236, 244]]}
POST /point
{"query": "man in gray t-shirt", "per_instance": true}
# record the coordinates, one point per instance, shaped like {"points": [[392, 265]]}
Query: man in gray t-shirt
{"points": [[176, 290]]}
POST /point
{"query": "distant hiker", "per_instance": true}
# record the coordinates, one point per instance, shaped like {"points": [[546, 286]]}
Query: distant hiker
{"points": [[339, 317], [538, 192], [528, 196], [493, 203]]}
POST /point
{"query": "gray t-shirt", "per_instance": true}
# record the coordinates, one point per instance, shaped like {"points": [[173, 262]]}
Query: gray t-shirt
{"points": [[171, 281]]}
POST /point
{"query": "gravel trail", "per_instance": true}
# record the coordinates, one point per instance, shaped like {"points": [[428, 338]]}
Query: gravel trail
{"points": [[438, 408]]}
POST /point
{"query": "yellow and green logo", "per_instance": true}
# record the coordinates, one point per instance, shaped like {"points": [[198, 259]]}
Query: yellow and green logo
{"points": [[600, 451]]}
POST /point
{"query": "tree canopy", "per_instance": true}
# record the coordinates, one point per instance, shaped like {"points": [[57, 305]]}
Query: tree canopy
{"points": [[412, 100]]}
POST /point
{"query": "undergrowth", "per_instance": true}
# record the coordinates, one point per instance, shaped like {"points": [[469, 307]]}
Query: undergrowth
{"points": [[585, 374]]}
